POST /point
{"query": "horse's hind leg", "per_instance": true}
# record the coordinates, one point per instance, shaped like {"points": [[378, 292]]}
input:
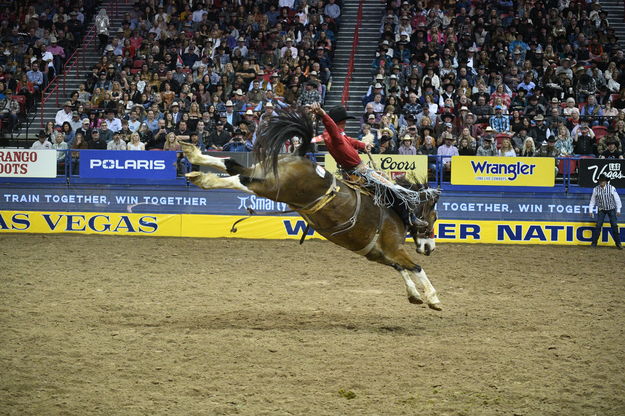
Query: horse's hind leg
{"points": [[430, 293], [195, 157], [212, 181]]}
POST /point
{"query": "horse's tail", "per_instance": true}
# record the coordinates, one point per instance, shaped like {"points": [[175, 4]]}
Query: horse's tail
{"points": [[289, 123]]}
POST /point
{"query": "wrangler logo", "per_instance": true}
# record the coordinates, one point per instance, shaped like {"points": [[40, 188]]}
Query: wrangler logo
{"points": [[511, 170]]}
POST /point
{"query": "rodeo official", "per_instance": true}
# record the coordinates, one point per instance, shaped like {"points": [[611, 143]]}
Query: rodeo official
{"points": [[608, 202]]}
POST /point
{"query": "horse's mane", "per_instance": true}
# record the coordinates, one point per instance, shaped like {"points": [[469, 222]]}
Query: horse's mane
{"points": [[418, 186], [290, 122]]}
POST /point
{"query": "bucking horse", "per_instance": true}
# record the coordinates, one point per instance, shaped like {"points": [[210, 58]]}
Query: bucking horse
{"points": [[336, 209]]}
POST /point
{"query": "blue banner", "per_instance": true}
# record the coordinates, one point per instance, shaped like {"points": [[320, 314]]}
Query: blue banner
{"points": [[127, 164], [485, 206]]}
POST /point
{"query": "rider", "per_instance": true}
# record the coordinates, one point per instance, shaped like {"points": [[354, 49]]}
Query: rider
{"points": [[344, 150]]}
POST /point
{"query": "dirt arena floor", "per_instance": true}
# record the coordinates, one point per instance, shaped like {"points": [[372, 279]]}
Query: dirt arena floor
{"points": [[159, 326]]}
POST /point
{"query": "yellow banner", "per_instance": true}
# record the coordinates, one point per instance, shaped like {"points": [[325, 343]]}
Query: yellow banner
{"points": [[414, 167], [503, 171], [286, 227], [162, 225]]}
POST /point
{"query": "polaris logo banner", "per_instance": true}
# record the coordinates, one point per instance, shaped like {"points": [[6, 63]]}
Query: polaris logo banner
{"points": [[127, 164]]}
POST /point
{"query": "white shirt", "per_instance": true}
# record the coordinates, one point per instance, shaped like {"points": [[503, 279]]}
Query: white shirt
{"points": [[47, 57], [293, 51], [139, 146], [133, 126], [286, 3], [62, 116], [121, 145], [605, 198], [114, 125], [60, 155], [38, 145], [198, 14]]}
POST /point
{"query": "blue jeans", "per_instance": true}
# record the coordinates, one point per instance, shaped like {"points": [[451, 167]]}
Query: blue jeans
{"points": [[611, 213]]}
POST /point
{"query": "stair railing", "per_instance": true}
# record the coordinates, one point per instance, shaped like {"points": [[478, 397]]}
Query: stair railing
{"points": [[350, 65], [53, 89]]}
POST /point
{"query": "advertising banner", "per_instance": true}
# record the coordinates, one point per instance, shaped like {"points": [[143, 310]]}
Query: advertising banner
{"points": [[590, 169], [128, 164], [163, 225], [503, 171], [414, 167], [491, 206], [288, 227], [27, 163]]}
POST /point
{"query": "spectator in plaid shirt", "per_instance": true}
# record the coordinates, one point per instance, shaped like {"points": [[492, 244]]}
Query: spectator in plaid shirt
{"points": [[500, 122], [309, 95]]}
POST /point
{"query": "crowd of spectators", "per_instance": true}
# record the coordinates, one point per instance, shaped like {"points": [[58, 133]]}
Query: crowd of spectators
{"points": [[502, 77], [37, 37], [209, 73]]}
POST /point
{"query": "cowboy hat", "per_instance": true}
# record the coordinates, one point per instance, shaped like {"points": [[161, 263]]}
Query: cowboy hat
{"points": [[339, 114]]}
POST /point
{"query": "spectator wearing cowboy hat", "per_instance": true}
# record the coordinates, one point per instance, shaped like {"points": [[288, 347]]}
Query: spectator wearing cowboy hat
{"points": [[385, 146], [540, 131], [64, 114], [237, 143], [447, 149], [612, 152], [486, 148], [42, 141], [310, 94], [407, 146]]}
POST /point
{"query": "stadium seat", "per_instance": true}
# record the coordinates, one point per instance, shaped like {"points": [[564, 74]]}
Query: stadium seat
{"points": [[567, 166], [499, 139]]}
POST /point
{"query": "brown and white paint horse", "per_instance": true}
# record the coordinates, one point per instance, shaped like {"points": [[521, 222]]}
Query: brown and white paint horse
{"points": [[341, 214]]}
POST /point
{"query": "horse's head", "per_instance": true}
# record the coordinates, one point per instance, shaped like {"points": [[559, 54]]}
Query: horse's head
{"points": [[424, 237]]}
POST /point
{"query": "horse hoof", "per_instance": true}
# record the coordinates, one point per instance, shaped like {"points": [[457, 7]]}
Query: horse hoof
{"points": [[415, 300], [192, 175], [435, 306]]}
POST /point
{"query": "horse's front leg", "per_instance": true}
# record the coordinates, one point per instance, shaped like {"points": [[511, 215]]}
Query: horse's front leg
{"points": [[195, 157], [431, 298], [212, 181], [411, 289]]}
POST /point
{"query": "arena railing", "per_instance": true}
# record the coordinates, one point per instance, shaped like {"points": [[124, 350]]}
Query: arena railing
{"points": [[438, 175]]}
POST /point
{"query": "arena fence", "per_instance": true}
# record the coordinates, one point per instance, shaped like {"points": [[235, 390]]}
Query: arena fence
{"points": [[163, 203]]}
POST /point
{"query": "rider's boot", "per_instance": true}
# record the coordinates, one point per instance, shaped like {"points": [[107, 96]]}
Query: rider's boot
{"points": [[416, 222]]}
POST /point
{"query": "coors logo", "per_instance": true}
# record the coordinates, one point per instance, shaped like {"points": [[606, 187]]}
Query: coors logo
{"points": [[591, 169]]}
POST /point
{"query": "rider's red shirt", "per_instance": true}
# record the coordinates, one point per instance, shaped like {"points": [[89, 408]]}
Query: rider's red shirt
{"points": [[343, 148]]}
